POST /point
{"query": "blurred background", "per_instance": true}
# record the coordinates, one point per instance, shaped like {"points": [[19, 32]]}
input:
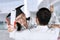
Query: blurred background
{"points": [[32, 5]]}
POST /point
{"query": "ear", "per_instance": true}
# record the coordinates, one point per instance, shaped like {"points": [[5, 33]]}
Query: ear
{"points": [[37, 21]]}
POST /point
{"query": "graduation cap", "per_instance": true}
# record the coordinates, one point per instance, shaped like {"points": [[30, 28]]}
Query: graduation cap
{"points": [[8, 15], [18, 10]]}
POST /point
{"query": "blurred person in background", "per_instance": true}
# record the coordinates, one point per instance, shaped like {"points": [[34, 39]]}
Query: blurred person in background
{"points": [[54, 19], [54, 22]]}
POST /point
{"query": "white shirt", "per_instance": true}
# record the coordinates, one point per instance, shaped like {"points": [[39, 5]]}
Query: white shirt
{"points": [[38, 33]]}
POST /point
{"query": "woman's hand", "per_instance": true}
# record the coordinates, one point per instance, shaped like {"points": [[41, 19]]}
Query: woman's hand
{"points": [[11, 28]]}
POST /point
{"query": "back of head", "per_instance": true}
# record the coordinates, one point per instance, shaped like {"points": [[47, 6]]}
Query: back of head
{"points": [[43, 16]]}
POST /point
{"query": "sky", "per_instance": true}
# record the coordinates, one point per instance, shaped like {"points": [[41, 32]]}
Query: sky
{"points": [[7, 5], [32, 5]]}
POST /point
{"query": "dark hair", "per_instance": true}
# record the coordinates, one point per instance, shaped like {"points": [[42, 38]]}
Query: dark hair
{"points": [[43, 16], [28, 18], [18, 26]]}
